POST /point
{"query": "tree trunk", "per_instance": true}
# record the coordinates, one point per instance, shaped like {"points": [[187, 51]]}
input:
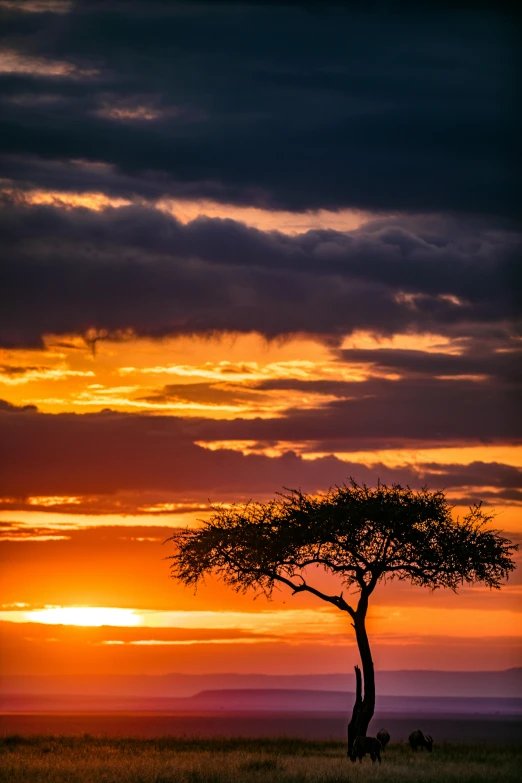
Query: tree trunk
{"points": [[363, 708], [352, 726], [368, 703]]}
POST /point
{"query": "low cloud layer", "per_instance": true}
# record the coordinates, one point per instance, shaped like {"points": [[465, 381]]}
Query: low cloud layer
{"points": [[135, 268], [108, 453]]}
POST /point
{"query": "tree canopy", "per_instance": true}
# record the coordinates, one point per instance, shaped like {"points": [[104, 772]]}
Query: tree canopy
{"points": [[359, 533]]}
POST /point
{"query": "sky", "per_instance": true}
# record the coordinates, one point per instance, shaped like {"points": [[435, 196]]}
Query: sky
{"points": [[248, 246]]}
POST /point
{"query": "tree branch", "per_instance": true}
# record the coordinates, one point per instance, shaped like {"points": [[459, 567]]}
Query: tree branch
{"points": [[336, 600]]}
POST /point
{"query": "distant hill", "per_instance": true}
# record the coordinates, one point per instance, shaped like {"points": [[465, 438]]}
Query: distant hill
{"points": [[334, 701], [486, 684], [262, 701]]}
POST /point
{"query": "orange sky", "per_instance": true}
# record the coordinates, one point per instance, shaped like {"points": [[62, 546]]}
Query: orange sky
{"points": [[293, 265], [64, 553]]}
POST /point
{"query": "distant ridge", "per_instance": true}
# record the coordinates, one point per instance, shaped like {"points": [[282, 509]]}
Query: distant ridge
{"points": [[334, 701], [262, 700], [484, 684]]}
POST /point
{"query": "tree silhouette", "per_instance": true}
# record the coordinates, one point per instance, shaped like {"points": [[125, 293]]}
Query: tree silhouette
{"points": [[359, 534]]}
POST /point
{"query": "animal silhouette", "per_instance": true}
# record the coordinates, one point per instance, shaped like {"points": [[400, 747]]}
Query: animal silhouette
{"points": [[383, 737], [418, 740], [364, 745]]}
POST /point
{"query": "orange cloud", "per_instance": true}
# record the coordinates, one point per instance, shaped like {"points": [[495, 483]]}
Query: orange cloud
{"points": [[12, 61]]}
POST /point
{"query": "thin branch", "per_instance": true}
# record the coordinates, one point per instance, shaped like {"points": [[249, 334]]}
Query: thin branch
{"points": [[336, 600]]}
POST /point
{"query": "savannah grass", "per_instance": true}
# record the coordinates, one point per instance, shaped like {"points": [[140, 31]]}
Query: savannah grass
{"points": [[88, 759]]}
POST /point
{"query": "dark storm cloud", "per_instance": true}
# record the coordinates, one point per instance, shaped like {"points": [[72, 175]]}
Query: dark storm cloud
{"points": [[14, 371], [276, 105], [206, 394], [138, 268], [414, 412], [478, 361], [108, 453]]}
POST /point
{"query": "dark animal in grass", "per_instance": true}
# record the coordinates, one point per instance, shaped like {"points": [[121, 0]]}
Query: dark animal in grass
{"points": [[418, 740], [364, 745], [383, 737]]}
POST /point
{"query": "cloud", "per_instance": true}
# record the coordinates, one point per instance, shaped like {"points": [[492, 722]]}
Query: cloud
{"points": [[12, 370], [278, 106], [69, 455], [380, 413], [477, 361], [213, 394], [91, 507], [11, 531], [37, 6], [136, 268], [18, 374]]}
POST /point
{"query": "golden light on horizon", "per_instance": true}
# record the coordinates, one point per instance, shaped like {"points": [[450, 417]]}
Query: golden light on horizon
{"points": [[89, 616]]}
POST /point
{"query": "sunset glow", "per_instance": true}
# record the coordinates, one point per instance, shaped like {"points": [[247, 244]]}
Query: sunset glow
{"points": [[282, 260], [91, 616]]}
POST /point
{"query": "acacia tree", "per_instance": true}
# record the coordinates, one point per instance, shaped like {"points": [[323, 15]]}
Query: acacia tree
{"points": [[359, 534]]}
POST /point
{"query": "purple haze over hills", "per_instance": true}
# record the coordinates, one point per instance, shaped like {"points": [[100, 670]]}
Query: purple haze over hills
{"points": [[452, 706], [405, 684]]}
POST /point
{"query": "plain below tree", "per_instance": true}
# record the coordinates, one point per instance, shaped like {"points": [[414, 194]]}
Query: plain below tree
{"points": [[359, 534]]}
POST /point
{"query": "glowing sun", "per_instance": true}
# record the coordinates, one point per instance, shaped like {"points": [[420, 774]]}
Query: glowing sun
{"points": [[93, 616]]}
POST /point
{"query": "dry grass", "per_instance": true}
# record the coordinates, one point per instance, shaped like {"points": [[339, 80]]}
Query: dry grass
{"points": [[226, 760]]}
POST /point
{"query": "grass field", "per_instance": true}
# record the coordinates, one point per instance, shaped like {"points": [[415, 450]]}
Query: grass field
{"points": [[86, 759]]}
